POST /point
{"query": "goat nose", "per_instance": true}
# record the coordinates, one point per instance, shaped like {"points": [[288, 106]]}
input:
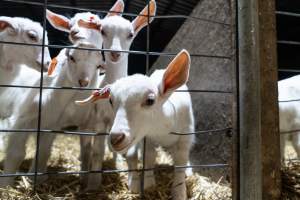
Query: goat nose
{"points": [[83, 82], [117, 138], [115, 55], [74, 32]]}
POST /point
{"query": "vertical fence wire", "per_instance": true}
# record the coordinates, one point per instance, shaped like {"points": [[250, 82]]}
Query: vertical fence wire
{"points": [[144, 148], [40, 99], [237, 110]]}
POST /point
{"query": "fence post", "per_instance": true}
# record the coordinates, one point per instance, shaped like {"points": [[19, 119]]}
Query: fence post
{"points": [[259, 132]]}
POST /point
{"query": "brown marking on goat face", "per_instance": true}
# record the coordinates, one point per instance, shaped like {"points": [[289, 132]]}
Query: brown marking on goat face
{"points": [[89, 25]]}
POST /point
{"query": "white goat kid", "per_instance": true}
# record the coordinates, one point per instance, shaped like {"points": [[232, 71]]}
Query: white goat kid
{"points": [[19, 64], [71, 70], [13, 58], [118, 35], [77, 30], [86, 27], [289, 112], [147, 107], [21, 30]]}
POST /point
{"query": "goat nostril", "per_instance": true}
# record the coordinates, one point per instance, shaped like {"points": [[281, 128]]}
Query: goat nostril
{"points": [[83, 83], [115, 55], [73, 33], [117, 138]]}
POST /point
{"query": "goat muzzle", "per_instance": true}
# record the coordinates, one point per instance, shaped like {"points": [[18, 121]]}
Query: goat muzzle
{"points": [[115, 56], [118, 141], [84, 82]]}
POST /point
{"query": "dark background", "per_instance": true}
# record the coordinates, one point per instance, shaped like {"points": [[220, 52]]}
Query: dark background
{"points": [[288, 29], [161, 30]]}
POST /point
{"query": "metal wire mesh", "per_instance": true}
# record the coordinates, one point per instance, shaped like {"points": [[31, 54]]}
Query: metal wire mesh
{"points": [[226, 130], [289, 70]]}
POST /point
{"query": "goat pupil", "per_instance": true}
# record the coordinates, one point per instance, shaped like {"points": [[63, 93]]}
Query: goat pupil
{"points": [[150, 102], [130, 35], [72, 58]]}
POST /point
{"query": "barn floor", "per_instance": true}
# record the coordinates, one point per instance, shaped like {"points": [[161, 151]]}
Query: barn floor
{"points": [[64, 157]]}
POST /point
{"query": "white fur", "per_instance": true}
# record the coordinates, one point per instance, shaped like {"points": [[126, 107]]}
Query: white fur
{"points": [[13, 58], [95, 37], [116, 36], [80, 33], [19, 65], [289, 112], [54, 105], [170, 113]]}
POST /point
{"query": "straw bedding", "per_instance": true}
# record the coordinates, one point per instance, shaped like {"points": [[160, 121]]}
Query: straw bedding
{"points": [[64, 157], [290, 175]]}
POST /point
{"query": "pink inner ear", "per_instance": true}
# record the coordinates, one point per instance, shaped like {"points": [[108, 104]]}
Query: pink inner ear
{"points": [[58, 21], [3, 25], [177, 72], [89, 25], [142, 20], [117, 8], [52, 66]]}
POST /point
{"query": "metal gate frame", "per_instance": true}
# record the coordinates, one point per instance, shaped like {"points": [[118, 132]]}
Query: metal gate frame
{"points": [[258, 121]]}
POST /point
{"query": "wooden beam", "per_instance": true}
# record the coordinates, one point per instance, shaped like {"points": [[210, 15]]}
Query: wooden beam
{"points": [[270, 138], [259, 132]]}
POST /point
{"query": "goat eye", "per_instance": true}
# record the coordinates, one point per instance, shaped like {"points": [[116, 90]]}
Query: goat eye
{"points": [[150, 101], [130, 35], [110, 101], [72, 59], [32, 36], [103, 32]]}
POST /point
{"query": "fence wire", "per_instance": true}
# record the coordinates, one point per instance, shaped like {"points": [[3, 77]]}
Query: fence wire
{"points": [[226, 130], [295, 43]]}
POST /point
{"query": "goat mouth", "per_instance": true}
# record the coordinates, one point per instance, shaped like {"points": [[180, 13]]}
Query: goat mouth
{"points": [[121, 146], [115, 59]]}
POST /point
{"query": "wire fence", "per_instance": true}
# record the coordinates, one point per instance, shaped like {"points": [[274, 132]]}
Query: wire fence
{"points": [[228, 131], [289, 70], [287, 42]]}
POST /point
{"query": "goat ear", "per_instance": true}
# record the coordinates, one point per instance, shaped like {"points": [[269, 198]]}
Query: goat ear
{"points": [[142, 20], [177, 73], [6, 23], [57, 63], [52, 66], [104, 93], [117, 9], [59, 22]]}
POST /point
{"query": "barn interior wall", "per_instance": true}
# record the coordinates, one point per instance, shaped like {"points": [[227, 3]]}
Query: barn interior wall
{"points": [[211, 110]]}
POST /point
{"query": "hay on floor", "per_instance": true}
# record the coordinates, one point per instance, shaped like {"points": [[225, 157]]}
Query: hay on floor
{"points": [[64, 157], [291, 180]]}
